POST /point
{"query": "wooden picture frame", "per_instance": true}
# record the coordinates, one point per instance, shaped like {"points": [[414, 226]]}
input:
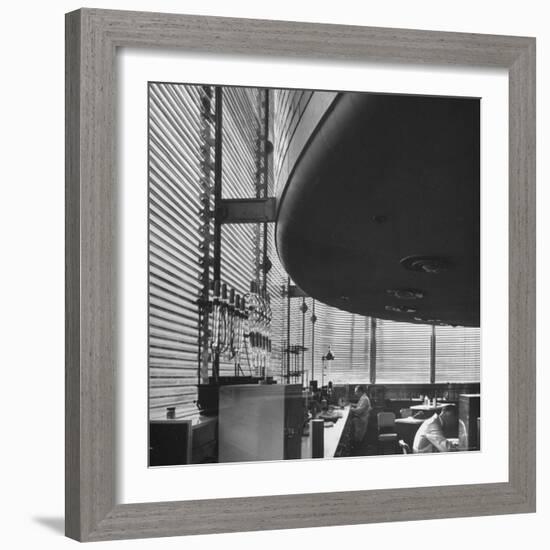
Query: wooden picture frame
{"points": [[92, 38]]}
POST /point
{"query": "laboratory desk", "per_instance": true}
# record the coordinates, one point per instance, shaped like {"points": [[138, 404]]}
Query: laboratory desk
{"points": [[428, 410], [260, 422], [334, 436]]}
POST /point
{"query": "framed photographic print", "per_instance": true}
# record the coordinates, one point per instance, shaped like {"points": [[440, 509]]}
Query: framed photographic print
{"points": [[300, 275]]}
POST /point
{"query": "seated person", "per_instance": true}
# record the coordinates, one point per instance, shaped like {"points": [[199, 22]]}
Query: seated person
{"points": [[360, 415], [430, 436]]}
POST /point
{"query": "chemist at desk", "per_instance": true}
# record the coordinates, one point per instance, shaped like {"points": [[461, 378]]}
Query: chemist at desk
{"points": [[360, 415], [430, 436]]}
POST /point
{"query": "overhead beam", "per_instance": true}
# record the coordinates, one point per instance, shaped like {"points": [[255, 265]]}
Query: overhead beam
{"points": [[256, 210]]}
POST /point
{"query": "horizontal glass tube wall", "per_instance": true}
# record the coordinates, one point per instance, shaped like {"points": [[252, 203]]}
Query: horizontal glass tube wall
{"points": [[181, 131]]}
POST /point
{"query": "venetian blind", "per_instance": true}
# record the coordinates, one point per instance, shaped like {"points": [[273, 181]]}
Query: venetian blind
{"points": [[175, 171], [241, 130], [348, 336], [457, 355], [181, 133], [289, 106], [276, 281], [402, 352]]}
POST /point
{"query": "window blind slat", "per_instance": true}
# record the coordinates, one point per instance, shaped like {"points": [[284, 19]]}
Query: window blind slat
{"points": [[402, 352], [240, 131], [457, 354], [175, 173]]}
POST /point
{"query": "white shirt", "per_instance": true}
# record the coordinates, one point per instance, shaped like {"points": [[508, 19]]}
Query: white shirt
{"points": [[363, 407], [429, 438]]}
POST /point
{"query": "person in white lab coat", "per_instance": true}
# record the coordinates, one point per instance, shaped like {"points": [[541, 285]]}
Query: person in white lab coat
{"points": [[430, 436], [360, 415]]}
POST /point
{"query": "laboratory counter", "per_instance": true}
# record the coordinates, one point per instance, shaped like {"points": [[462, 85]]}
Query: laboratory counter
{"points": [[334, 434]]}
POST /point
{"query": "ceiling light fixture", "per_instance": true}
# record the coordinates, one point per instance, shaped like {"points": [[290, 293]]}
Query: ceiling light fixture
{"points": [[401, 309], [405, 293], [425, 264]]}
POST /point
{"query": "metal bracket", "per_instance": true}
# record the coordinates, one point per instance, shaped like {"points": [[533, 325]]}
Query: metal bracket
{"points": [[247, 210]]}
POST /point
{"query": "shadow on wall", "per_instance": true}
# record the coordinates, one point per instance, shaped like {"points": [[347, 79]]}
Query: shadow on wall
{"points": [[54, 524]]}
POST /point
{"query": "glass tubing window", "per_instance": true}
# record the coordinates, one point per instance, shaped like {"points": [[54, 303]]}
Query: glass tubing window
{"points": [[179, 118]]}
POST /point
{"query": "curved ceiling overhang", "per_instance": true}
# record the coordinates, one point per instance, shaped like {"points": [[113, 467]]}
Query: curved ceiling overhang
{"points": [[381, 213]]}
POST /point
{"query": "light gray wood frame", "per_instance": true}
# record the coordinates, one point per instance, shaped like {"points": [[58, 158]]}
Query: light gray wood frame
{"points": [[92, 38]]}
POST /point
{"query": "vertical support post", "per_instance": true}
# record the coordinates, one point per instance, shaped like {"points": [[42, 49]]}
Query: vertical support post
{"points": [[351, 346], [265, 171], [261, 154], [313, 321], [432, 356], [257, 228], [372, 357], [218, 184], [303, 337], [206, 199], [288, 331], [217, 201]]}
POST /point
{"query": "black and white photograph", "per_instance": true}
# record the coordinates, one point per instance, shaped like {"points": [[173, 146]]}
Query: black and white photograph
{"points": [[313, 274], [270, 274]]}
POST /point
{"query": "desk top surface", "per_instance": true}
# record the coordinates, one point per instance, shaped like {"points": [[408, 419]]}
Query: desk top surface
{"points": [[409, 420], [427, 408]]}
